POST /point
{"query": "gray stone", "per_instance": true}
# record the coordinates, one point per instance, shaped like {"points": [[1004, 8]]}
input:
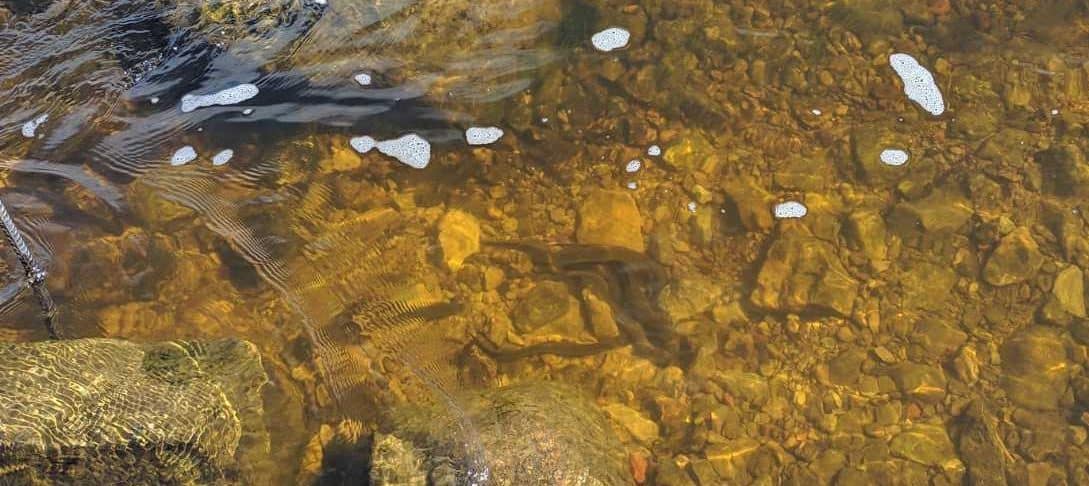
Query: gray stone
{"points": [[1015, 260]]}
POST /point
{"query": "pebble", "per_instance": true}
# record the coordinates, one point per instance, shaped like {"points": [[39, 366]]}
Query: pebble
{"points": [[229, 96], [790, 209], [610, 39], [919, 85], [183, 156], [483, 135], [411, 149], [894, 157], [30, 128], [222, 157]]}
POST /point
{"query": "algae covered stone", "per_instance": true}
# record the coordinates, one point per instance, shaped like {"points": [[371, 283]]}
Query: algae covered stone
{"points": [[610, 218]]}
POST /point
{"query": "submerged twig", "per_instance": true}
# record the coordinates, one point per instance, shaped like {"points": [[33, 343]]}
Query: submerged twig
{"points": [[35, 274]]}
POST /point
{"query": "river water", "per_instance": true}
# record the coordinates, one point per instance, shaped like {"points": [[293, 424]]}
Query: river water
{"points": [[770, 242]]}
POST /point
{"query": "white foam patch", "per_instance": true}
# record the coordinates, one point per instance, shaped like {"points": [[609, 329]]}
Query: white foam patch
{"points": [[183, 156], [790, 209], [411, 149], [894, 157], [154, 100], [633, 166], [229, 96], [362, 144], [610, 39], [691, 206], [222, 157], [30, 128], [247, 111], [363, 79], [919, 85], [483, 135], [632, 186], [654, 151]]}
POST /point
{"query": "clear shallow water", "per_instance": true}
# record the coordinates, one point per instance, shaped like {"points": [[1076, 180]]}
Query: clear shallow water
{"points": [[863, 334]]}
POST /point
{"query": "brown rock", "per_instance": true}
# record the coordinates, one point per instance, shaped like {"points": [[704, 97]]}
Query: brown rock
{"points": [[610, 218], [801, 273], [1015, 260]]}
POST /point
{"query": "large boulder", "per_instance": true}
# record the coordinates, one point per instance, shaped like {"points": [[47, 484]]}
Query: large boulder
{"points": [[105, 411]]}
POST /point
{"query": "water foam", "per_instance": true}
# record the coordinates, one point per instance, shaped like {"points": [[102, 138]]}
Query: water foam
{"points": [[610, 39], [222, 157], [363, 79], [894, 157], [483, 135], [633, 166], [30, 128], [229, 96], [411, 149], [654, 151], [919, 85], [183, 156], [362, 144], [790, 210]]}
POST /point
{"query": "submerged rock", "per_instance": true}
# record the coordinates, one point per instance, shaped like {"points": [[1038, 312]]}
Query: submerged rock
{"points": [[530, 434], [459, 237], [610, 218], [104, 411], [801, 273], [1036, 370], [926, 444], [1015, 260], [1069, 291]]}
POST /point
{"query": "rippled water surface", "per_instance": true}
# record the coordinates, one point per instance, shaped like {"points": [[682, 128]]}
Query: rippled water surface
{"points": [[692, 242]]}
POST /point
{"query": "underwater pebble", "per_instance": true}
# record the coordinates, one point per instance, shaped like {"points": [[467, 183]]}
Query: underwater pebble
{"points": [[229, 96], [222, 157], [483, 135], [610, 39], [633, 166], [30, 128], [894, 157], [790, 209], [411, 149], [654, 151], [919, 85], [183, 156], [363, 79], [362, 144]]}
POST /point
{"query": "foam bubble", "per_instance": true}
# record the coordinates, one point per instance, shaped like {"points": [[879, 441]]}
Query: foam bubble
{"points": [[229, 96], [363, 79], [30, 128], [654, 151], [790, 209], [633, 166], [411, 149], [894, 157], [247, 111], [362, 144], [154, 100], [632, 186], [816, 112], [691, 206], [610, 39], [183, 156], [483, 135], [919, 85], [222, 157]]}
